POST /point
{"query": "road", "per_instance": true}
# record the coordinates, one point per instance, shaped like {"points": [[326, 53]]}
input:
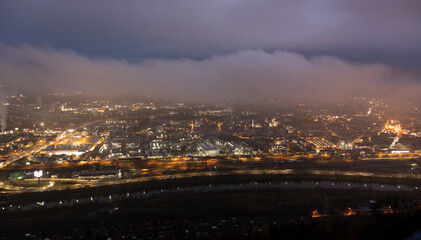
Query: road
{"points": [[38, 148], [81, 183]]}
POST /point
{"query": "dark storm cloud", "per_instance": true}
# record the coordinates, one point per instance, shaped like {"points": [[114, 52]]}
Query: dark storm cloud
{"points": [[247, 74], [211, 50], [373, 31]]}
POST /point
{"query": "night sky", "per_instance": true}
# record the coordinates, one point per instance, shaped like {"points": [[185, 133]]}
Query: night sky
{"points": [[213, 50]]}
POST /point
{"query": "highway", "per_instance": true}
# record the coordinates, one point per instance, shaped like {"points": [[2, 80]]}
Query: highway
{"points": [[177, 190], [81, 183], [37, 148]]}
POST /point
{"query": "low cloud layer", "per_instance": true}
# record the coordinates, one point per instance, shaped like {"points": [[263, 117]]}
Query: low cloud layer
{"points": [[246, 74]]}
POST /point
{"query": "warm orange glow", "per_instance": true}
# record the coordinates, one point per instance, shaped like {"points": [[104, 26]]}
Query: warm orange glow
{"points": [[242, 137], [349, 212], [388, 209], [192, 127], [393, 127], [219, 126], [316, 214]]}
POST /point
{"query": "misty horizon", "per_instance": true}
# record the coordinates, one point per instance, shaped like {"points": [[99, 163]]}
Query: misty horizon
{"points": [[221, 119], [249, 74], [288, 51]]}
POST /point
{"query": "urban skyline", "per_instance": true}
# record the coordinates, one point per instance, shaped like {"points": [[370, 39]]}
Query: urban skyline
{"points": [[220, 119]]}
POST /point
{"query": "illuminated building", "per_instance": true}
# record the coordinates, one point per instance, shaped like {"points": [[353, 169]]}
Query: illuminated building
{"points": [[320, 143], [392, 127], [207, 149], [68, 149]]}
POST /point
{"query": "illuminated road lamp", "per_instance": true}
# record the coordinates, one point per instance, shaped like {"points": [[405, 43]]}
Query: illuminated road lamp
{"points": [[38, 174]]}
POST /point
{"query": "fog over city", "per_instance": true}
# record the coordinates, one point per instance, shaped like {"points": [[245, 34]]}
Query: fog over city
{"points": [[214, 50], [219, 119], [244, 74]]}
